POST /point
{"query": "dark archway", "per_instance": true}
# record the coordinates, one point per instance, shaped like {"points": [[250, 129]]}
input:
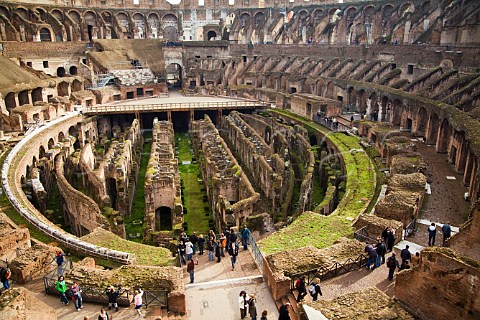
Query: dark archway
{"points": [[163, 218], [433, 129], [90, 33], [445, 136], [170, 34], [37, 95], [45, 35], [51, 143], [23, 98], [62, 89], [111, 185], [174, 75], [211, 35], [41, 152], [77, 85], [10, 101], [61, 136], [61, 72], [313, 140], [422, 120], [73, 70]]}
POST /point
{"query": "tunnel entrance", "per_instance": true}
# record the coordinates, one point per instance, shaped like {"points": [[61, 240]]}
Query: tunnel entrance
{"points": [[163, 218], [111, 185]]}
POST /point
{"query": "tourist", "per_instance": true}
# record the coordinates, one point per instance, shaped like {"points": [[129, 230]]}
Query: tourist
{"points": [[252, 308], [405, 254], [211, 234], [137, 300], [432, 232], [227, 236], [300, 285], [372, 256], [5, 275], [385, 235], [233, 252], [243, 303], [61, 287], [191, 269], [381, 250], [392, 264], [76, 292], [112, 297], [283, 312], [218, 250], [223, 244], [264, 314], [211, 249], [183, 237], [103, 315], [59, 259], [315, 289], [194, 240], [245, 234], [233, 236], [201, 243], [181, 251], [404, 266], [189, 250], [447, 232], [390, 239], [416, 259]]}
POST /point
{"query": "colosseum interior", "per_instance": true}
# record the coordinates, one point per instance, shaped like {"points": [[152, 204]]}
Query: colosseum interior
{"points": [[317, 124]]}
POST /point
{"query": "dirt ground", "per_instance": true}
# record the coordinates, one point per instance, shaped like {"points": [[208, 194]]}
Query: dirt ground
{"points": [[446, 203]]}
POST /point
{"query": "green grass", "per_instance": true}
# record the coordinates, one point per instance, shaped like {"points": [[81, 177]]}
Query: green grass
{"points": [[320, 231], [138, 205], [196, 217]]}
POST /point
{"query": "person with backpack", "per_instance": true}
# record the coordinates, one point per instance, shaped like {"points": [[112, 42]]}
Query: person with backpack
{"points": [[61, 287], [447, 233], [76, 292], [233, 252], [5, 275], [315, 289], [392, 264], [59, 259], [301, 288], [112, 297]]}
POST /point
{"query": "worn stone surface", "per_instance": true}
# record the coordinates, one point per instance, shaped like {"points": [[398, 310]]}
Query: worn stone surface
{"points": [[20, 304]]}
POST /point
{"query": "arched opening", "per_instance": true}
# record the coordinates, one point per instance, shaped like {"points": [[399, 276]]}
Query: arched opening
{"points": [[61, 136], [62, 89], [163, 218], [432, 129], [51, 143], [422, 120], [23, 98], [170, 34], [37, 95], [41, 152], [444, 138], [397, 112], [174, 75], [36, 117], [10, 101], [313, 140], [90, 33], [61, 72], [268, 135], [211, 35], [73, 70], [72, 131], [111, 185], [45, 35], [77, 85]]}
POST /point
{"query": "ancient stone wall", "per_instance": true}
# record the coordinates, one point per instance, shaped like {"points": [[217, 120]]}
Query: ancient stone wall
{"points": [[443, 285], [13, 238], [19, 304]]}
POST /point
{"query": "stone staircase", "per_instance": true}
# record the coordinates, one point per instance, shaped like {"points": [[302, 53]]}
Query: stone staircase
{"points": [[162, 313], [292, 309]]}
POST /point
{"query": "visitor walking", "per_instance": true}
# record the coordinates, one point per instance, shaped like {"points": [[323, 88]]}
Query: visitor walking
{"points": [[381, 250], [315, 289], [243, 299], [223, 244], [392, 264], [218, 251], [137, 300], [233, 252], [5, 275], [283, 312], [113, 295], [405, 254], [372, 256], [61, 287], [59, 259], [191, 269], [211, 249], [252, 308], [447, 233], [103, 315], [227, 236], [432, 232], [181, 251], [300, 285], [233, 236], [390, 239], [76, 292], [194, 240], [189, 250], [264, 314], [201, 244], [245, 234]]}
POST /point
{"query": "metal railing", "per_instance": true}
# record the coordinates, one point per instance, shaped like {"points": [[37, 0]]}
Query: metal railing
{"points": [[409, 229], [256, 253], [324, 273], [186, 106], [362, 235]]}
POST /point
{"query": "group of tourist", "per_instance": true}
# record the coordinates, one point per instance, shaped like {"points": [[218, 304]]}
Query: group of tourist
{"points": [[314, 289], [432, 233], [247, 303]]}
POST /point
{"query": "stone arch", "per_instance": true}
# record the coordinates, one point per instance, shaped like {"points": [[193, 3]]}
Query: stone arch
{"points": [[34, 162], [329, 90], [170, 33], [45, 35], [174, 73], [61, 136], [41, 152], [123, 21], [405, 8], [386, 108], [28, 172], [387, 10], [41, 13], [163, 218], [37, 94], [319, 85], [73, 70], [352, 99], [211, 35], [73, 131], [22, 12], [77, 85], [57, 14], [62, 89], [350, 12], [61, 72], [51, 143], [432, 131], [397, 112], [444, 136], [425, 7], [259, 18], [244, 18], [4, 11], [75, 16], [23, 98], [107, 16], [10, 102], [447, 63], [422, 122], [313, 140], [369, 11], [90, 18]]}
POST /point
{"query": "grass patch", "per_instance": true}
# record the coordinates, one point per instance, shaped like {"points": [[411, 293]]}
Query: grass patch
{"points": [[138, 206], [197, 210]]}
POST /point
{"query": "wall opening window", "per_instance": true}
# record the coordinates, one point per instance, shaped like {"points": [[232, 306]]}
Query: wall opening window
{"points": [[45, 64], [410, 69]]}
